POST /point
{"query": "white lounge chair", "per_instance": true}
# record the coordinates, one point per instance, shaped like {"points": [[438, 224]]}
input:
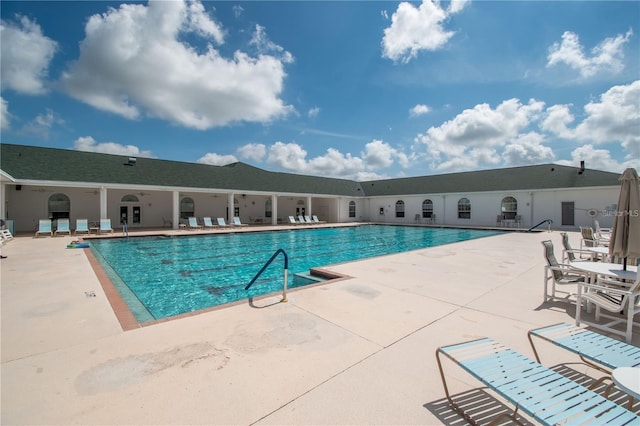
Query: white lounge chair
{"points": [[44, 227], [193, 223], [63, 226], [315, 219], [301, 219], [82, 226], [292, 221], [5, 235], [237, 222], [105, 226], [221, 222], [207, 223]]}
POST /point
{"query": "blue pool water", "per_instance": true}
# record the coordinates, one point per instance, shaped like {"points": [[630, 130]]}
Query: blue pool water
{"points": [[162, 276]]}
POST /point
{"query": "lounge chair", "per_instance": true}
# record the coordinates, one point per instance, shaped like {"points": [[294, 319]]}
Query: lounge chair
{"points": [[221, 222], [547, 396], [193, 223], [589, 238], [621, 299], [207, 223], [597, 350], [601, 233], [569, 253], [44, 227], [5, 235], [315, 219], [307, 219], [63, 226], [301, 219], [559, 274], [237, 222], [105, 226], [82, 226], [292, 221]]}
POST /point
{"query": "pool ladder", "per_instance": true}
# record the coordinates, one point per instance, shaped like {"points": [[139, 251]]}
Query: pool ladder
{"points": [[286, 272]]}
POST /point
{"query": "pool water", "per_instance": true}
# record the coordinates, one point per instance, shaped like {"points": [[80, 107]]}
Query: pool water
{"points": [[161, 276]]}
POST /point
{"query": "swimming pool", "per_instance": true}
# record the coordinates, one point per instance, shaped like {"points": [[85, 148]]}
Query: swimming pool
{"points": [[159, 277]]}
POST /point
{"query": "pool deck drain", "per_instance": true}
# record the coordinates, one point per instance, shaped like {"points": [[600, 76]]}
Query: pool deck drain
{"points": [[358, 351]]}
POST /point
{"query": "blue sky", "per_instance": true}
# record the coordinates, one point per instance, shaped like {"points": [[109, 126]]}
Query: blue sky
{"points": [[352, 89]]}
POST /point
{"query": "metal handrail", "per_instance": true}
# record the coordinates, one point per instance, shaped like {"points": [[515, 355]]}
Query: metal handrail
{"points": [[286, 272], [125, 229], [544, 221]]}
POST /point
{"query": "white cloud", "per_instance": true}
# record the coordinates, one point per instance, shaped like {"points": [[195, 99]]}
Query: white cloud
{"points": [[265, 46], [42, 124], [25, 56], [87, 143], [599, 159], [5, 117], [216, 159], [614, 119], [419, 109], [313, 112], [605, 57], [378, 155], [237, 10], [134, 61], [527, 149], [415, 29], [253, 151], [475, 130]]}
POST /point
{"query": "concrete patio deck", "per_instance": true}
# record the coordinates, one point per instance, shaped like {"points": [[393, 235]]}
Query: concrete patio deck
{"points": [[357, 351]]}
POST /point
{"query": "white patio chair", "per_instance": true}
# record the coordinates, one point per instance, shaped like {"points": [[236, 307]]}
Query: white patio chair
{"points": [[621, 300], [559, 275]]}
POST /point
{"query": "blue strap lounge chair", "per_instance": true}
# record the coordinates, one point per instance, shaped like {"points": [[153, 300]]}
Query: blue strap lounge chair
{"points": [[105, 226], [193, 223], [82, 226], [63, 226], [292, 221], [301, 219], [315, 219], [547, 396], [44, 227], [237, 222], [207, 223], [221, 222]]}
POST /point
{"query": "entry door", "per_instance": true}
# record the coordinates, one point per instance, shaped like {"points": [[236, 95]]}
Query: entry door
{"points": [[131, 215], [568, 213]]}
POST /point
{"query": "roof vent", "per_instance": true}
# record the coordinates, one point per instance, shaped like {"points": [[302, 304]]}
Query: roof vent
{"points": [[131, 161]]}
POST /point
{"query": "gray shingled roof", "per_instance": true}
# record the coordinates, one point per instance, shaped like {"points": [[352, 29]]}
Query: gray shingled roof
{"points": [[29, 163], [51, 164], [545, 176]]}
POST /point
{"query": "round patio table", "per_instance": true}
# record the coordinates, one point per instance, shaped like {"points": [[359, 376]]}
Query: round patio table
{"points": [[628, 380]]}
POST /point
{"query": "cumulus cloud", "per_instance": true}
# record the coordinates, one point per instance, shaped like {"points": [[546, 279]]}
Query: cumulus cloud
{"points": [[468, 136], [607, 56], [25, 56], [216, 159], [253, 152], [5, 117], [87, 143], [42, 124], [264, 45], [615, 118], [419, 109], [526, 149], [377, 156], [313, 112], [414, 29], [135, 61], [599, 159]]}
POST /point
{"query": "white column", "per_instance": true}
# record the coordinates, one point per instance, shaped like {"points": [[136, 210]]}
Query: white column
{"points": [[175, 212], [308, 207], [103, 203], [230, 206], [274, 209], [3, 202]]}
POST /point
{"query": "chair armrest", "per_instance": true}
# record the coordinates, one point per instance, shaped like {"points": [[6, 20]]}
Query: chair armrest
{"points": [[609, 290]]}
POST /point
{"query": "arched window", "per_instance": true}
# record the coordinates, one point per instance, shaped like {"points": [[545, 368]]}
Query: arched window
{"points": [[267, 208], [187, 208], [427, 208], [509, 208], [399, 208], [59, 206], [464, 208], [352, 209], [130, 198]]}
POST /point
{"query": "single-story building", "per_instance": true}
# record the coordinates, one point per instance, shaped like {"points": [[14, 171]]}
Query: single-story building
{"points": [[39, 183]]}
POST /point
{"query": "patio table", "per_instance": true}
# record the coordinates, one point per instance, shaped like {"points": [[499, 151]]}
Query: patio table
{"points": [[612, 270]]}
